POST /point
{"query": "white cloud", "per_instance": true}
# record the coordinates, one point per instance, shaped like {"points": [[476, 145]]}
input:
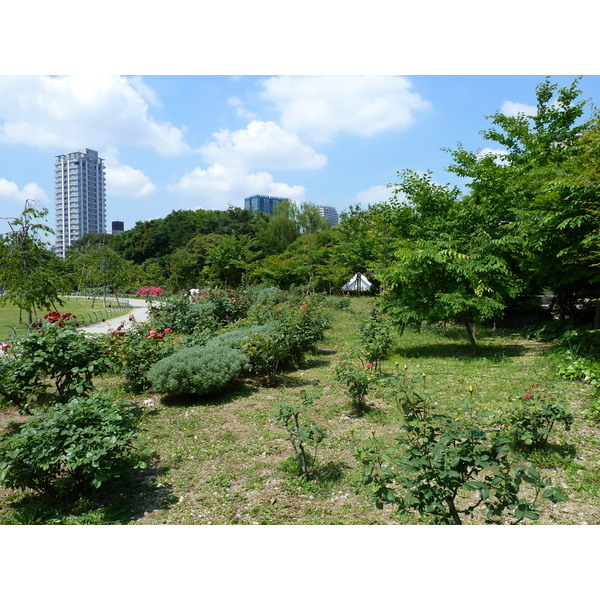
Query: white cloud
{"points": [[373, 195], [220, 185], [240, 110], [499, 155], [512, 109], [10, 191], [322, 107], [262, 145], [72, 112], [123, 180]]}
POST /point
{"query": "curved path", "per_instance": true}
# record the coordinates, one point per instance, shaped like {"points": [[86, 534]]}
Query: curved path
{"points": [[139, 310]]}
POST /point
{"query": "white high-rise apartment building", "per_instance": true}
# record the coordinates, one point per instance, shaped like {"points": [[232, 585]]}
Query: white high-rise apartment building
{"points": [[80, 191], [329, 213]]}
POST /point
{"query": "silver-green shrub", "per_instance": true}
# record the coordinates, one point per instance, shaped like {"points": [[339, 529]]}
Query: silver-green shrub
{"points": [[197, 371]]}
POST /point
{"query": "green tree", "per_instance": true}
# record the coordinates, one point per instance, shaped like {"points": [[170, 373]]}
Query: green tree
{"points": [[28, 276], [532, 184], [444, 265], [99, 270], [356, 250], [227, 261]]}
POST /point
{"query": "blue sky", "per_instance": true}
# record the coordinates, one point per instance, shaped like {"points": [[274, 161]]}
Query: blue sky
{"points": [[207, 141]]}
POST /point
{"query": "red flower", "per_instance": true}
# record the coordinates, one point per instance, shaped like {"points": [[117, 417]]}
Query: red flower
{"points": [[168, 330], [527, 396], [368, 365]]}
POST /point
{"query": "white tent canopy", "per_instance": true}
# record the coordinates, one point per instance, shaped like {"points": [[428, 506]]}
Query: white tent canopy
{"points": [[358, 283]]}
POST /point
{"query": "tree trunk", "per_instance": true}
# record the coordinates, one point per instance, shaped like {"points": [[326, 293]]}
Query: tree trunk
{"points": [[471, 335], [453, 511]]}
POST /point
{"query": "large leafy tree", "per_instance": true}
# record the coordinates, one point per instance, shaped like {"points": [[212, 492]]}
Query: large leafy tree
{"points": [[28, 271], [356, 250], [444, 265], [530, 187]]}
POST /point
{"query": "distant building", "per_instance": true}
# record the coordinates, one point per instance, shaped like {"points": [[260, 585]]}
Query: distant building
{"points": [[80, 192], [117, 227], [261, 203], [329, 213]]}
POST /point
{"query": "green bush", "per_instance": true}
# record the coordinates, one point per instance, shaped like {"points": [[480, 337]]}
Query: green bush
{"points": [[179, 314], [198, 370], [548, 331], [445, 468], [141, 348], [577, 368], [20, 384], [375, 337], [584, 343], [227, 305], [268, 350], [529, 424], [85, 443], [358, 380], [56, 352]]}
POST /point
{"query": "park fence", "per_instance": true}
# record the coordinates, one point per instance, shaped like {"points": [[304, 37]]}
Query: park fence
{"points": [[10, 332]]}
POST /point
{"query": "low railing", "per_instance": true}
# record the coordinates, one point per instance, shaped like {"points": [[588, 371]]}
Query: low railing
{"points": [[8, 332]]}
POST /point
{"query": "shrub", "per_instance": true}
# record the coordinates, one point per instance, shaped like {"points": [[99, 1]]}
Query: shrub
{"points": [[375, 337], [303, 324], [87, 442], [149, 292], [358, 380], [20, 384], [265, 296], [179, 314], [578, 368], [584, 343], [198, 370], [58, 352], [141, 348], [529, 424], [305, 439], [548, 331], [441, 465], [228, 305], [268, 351]]}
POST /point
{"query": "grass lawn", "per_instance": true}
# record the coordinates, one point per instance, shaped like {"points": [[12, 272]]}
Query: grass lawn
{"points": [[219, 460], [9, 314]]}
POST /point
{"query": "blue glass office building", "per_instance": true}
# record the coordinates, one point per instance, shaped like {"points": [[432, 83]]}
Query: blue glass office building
{"points": [[261, 203]]}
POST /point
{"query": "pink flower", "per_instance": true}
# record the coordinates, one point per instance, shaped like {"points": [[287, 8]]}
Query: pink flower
{"points": [[368, 365], [152, 333], [303, 307], [149, 402], [527, 396], [159, 335], [168, 330]]}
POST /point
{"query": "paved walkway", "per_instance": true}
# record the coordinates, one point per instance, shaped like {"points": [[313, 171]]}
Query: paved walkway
{"points": [[139, 309]]}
